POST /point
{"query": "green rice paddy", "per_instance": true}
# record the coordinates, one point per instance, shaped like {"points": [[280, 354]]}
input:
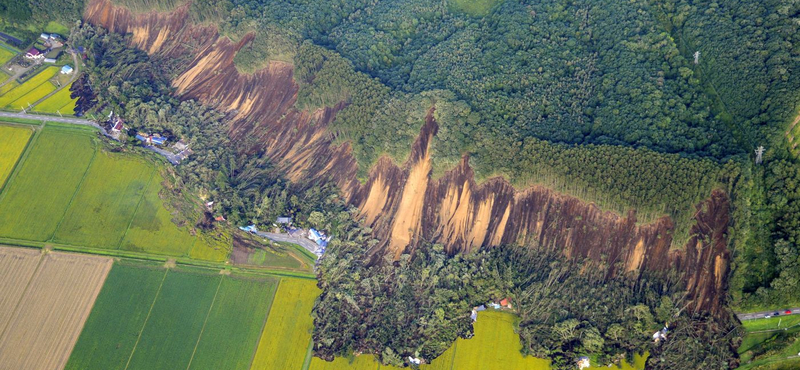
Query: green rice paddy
{"points": [[45, 184], [287, 335], [6, 55], [8, 99], [59, 102], [118, 316], [175, 321], [105, 204], [234, 324], [13, 140]]}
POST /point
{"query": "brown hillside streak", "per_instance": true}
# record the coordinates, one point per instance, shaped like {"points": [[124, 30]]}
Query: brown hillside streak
{"points": [[403, 204]]}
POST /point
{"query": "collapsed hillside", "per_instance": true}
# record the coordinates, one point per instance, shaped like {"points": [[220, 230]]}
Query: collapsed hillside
{"points": [[402, 203]]}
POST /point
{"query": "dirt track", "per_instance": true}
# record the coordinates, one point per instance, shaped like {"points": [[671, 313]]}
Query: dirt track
{"points": [[401, 202]]}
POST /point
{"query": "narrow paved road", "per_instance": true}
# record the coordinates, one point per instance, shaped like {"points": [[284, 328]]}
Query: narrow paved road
{"points": [[41, 117], [303, 242], [763, 314]]}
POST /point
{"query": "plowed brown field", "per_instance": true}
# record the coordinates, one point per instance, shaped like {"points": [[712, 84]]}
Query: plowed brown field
{"points": [[48, 317], [17, 265]]}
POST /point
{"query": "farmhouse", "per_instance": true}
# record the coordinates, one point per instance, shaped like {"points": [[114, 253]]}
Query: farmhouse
{"points": [[284, 220], [34, 53]]}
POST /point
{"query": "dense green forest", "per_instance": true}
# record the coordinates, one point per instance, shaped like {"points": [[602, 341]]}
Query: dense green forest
{"points": [[599, 99], [418, 306]]}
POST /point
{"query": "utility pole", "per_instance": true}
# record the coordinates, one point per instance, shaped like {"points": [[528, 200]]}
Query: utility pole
{"points": [[696, 57], [759, 152]]}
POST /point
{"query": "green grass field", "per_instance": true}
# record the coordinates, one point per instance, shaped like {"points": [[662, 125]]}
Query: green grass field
{"points": [[32, 96], [13, 140], [28, 86], [45, 184], [55, 27], [175, 322], [152, 229], [59, 102], [117, 318], [105, 204], [5, 55], [234, 324], [474, 7], [287, 335], [766, 346]]}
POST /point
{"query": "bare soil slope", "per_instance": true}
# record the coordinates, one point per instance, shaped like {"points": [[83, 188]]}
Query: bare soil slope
{"points": [[402, 203]]}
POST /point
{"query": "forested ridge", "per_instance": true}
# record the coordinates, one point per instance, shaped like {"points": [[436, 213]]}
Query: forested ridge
{"points": [[601, 99]]}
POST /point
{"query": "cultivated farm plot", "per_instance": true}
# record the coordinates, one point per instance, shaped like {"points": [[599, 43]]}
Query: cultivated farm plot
{"points": [[33, 96], [152, 229], [106, 201], [5, 55], [33, 202], [17, 266], [18, 92], [494, 346], [46, 322], [13, 140], [287, 335], [118, 317], [59, 102], [8, 87], [234, 324], [213, 246], [170, 335]]}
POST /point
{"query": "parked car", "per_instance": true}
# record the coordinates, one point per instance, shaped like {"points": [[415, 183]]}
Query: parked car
{"points": [[767, 316], [776, 313], [788, 312]]}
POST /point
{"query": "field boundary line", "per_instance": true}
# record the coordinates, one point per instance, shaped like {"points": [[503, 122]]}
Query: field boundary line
{"points": [[158, 293], [74, 194], [18, 162], [199, 337], [135, 210], [264, 325], [24, 293], [309, 355]]}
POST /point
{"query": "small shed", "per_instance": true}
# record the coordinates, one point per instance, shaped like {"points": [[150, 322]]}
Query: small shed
{"points": [[506, 302], [66, 69], [49, 60], [44, 36], [584, 362], [284, 220]]}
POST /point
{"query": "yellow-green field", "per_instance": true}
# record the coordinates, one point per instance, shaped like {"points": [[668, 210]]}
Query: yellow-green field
{"points": [[59, 102], [5, 55], [103, 208], [44, 185], [13, 140], [214, 246], [8, 99], [152, 229], [8, 87], [363, 362], [33, 96], [287, 334]]}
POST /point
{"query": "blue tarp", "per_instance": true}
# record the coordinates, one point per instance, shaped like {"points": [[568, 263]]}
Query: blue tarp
{"points": [[158, 140], [140, 137]]}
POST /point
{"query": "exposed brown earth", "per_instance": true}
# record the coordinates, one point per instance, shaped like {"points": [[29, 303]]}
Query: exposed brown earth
{"points": [[45, 323], [402, 203]]}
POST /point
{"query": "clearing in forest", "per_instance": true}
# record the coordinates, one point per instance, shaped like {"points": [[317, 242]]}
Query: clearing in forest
{"points": [[287, 335], [13, 140], [106, 201], [43, 187], [48, 318]]}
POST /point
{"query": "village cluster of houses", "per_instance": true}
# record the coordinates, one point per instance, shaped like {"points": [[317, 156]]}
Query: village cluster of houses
{"points": [[52, 44]]}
